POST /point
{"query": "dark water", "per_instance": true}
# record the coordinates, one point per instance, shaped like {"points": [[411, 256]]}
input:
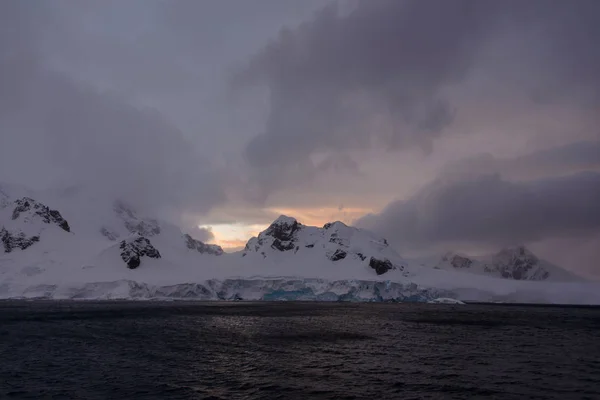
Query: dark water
{"points": [[127, 350]]}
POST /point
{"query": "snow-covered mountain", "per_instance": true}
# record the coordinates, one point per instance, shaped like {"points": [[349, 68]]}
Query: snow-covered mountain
{"points": [[77, 243], [91, 231], [286, 238], [517, 263]]}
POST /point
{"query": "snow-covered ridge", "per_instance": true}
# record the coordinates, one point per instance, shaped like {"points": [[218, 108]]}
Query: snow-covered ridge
{"points": [[23, 221], [27, 224], [201, 247], [108, 249], [335, 241], [517, 263]]}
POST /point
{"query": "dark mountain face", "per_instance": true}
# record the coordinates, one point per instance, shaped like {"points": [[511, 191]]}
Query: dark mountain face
{"points": [[28, 205]]}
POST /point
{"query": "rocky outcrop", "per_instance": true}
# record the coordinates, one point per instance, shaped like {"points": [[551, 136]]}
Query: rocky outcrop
{"points": [[458, 261], [381, 266], [32, 207], [338, 255], [283, 232], [281, 235], [12, 241], [201, 247], [133, 249]]}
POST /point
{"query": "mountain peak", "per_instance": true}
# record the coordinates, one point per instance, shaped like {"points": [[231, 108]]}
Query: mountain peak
{"points": [[32, 208], [202, 247], [283, 231], [458, 261], [335, 224], [284, 220], [513, 253], [335, 241]]}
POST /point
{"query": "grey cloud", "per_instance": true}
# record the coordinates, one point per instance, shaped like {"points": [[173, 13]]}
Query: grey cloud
{"points": [[54, 127], [489, 210], [385, 73], [570, 158], [202, 234]]}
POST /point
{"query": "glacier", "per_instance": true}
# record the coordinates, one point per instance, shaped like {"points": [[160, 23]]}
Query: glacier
{"points": [[282, 289]]}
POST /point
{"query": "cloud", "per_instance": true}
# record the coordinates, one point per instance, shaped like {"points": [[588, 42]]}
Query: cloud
{"points": [[54, 127], [489, 210], [565, 159], [202, 234], [389, 73]]}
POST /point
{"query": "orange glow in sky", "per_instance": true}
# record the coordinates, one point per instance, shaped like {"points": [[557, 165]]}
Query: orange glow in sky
{"points": [[233, 237]]}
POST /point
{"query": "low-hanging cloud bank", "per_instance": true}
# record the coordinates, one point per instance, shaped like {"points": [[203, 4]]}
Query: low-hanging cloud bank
{"points": [[389, 73], [488, 210], [54, 128]]}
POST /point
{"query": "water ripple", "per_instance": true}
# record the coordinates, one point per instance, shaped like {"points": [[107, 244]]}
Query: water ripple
{"points": [[133, 350]]}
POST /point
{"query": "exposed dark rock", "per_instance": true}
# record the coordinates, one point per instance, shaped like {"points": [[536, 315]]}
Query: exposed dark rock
{"points": [[460, 262], [18, 241], [334, 239], [283, 232], [282, 246], [309, 246], [381, 266], [283, 229], [133, 250], [361, 256], [202, 248], [338, 255], [27, 204]]}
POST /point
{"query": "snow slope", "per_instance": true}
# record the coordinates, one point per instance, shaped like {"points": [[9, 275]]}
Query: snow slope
{"points": [[92, 259], [517, 263]]}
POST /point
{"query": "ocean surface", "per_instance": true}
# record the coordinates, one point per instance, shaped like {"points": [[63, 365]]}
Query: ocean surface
{"points": [[183, 350]]}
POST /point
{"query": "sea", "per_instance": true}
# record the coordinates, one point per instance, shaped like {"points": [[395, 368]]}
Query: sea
{"points": [[296, 350]]}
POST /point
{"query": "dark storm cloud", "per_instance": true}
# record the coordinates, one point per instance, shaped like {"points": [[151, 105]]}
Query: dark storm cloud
{"points": [[490, 210], [52, 125], [335, 78], [572, 157]]}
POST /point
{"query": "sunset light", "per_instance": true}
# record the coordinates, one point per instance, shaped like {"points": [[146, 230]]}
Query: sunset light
{"points": [[233, 236]]}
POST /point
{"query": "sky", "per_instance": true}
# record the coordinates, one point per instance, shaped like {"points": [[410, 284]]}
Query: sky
{"points": [[463, 125]]}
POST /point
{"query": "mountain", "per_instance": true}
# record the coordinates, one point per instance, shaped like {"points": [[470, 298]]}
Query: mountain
{"points": [[24, 220], [517, 263], [88, 228], [76, 243], [286, 238]]}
